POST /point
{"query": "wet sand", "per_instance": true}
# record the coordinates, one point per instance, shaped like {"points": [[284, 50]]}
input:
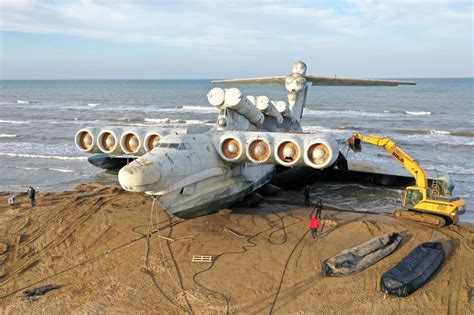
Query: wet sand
{"points": [[93, 243]]}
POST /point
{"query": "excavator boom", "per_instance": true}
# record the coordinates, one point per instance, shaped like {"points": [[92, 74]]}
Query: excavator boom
{"points": [[391, 147]]}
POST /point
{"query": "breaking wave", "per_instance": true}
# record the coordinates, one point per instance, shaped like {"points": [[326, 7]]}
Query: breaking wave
{"points": [[93, 104], [40, 156], [343, 113], [417, 113], [15, 121], [460, 133], [4, 135], [62, 170], [22, 102]]}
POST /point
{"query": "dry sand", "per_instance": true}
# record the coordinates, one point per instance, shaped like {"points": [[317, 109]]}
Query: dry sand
{"points": [[92, 242]]}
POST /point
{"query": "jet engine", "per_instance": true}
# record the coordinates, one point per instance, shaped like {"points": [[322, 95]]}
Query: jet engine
{"points": [[232, 147], [131, 142], [259, 149], [321, 153], [108, 141], [85, 140], [288, 151], [152, 139]]}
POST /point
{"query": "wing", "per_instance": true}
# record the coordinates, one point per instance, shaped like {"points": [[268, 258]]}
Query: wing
{"points": [[328, 81], [334, 81], [260, 80]]}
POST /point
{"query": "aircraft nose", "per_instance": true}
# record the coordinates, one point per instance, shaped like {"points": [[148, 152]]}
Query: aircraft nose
{"points": [[138, 176]]}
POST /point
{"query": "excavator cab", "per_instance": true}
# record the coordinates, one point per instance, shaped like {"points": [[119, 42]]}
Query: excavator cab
{"points": [[411, 197], [354, 144]]}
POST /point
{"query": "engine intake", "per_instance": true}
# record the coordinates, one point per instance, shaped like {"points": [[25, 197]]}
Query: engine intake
{"points": [[231, 148], [288, 151], [85, 141], [259, 150], [107, 141], [130, 142]]}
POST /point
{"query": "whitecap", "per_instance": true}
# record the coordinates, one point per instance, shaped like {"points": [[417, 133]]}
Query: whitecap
{"points": [[93, 104], [22, 102], [343, 113], [40, 156], [5, 135], [417, 113], [15, 121], [439, 132], [62, 170]]}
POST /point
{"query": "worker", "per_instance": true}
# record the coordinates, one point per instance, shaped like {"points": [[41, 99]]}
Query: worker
{"points": [[32, 195], [12, 201], [319, 208], [306, 191], [313, 226]]}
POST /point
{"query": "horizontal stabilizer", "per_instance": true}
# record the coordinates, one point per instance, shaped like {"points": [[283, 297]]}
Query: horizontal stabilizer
{"points": [[260, 80], [354, 82]]}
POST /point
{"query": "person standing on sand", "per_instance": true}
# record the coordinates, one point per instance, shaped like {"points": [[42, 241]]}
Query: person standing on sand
{"points": [[306, 191], [12, 201], [32, 195], [313, 226]]}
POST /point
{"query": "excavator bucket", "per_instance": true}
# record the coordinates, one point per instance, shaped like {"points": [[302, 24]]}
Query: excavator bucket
{"points": [[354, 144]]}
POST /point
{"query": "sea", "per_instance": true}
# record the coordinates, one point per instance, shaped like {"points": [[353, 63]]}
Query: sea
{"points": [[432, 121]]}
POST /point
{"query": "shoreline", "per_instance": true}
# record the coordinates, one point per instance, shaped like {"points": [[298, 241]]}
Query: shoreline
{"points": [[93, 243]]}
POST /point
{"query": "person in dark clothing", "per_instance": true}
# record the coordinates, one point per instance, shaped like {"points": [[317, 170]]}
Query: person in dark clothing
{"points": [[32, 195], [306, 191], [319, 208]]}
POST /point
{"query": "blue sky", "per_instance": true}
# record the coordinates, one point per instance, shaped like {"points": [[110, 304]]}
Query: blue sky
{"points": [[138, 39]]}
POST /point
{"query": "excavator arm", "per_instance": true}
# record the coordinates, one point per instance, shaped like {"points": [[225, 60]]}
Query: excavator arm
{"points": [[391, 147]]}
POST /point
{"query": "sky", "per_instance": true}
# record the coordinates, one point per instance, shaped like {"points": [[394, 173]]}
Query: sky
{"points": [[184, 39]]}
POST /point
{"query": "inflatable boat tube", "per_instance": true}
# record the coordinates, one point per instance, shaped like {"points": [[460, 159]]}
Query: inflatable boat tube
{"points": [[364, 255], [414, 270]]}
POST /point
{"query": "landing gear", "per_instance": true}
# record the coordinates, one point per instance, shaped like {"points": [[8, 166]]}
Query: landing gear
{"points": [[423, 218]]}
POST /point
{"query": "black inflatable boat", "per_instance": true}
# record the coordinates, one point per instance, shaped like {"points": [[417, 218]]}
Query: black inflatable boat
{"points": [[414, 270]]}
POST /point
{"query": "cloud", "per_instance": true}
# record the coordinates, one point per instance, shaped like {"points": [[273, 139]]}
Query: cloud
{"points": [[204, 24]]}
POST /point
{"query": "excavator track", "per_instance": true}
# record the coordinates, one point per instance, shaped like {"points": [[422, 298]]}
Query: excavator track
{"points": [[423, 218]]}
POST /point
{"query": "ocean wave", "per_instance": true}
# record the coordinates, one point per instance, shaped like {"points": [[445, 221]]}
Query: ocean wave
{"points": [[28, 168], [62, 170], [344, 113], [40, 156], [15, 121], [417, 113], [188, 109], [5, 135], [439, 132], [463, 133], [322, 129], [93, 104], [22, 102], [466, 133]]}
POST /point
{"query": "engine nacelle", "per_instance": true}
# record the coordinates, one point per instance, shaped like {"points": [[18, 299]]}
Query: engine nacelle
{"points": [[320, 153], [232, 147], [153, 138], [289, 151], [259, 149], [109, 141], [85, 140], [131, 142]]}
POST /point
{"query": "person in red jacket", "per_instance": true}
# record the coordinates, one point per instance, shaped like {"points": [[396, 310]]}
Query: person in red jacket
{"points": [[314, 225]]}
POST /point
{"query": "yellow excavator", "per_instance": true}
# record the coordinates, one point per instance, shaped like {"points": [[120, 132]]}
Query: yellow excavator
{"points": [[424, 204]]}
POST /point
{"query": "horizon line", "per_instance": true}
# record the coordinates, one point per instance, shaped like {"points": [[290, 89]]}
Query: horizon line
{"points": [[209, 79]]}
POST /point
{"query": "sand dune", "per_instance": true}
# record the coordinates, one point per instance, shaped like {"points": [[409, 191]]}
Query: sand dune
{"points": [[93, 243]]}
